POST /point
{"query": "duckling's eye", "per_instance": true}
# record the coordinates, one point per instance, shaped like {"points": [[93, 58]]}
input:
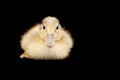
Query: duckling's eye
{"points": [[44, 27], [57, 27]]}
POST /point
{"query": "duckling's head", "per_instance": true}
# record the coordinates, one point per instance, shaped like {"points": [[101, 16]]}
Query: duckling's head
{"points": [[50, 30]]}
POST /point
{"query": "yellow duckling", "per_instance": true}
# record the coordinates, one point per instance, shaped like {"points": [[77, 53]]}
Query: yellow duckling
{"points": [[47, 40]]}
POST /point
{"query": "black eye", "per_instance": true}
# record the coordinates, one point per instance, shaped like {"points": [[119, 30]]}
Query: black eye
{"points": [[57, 27], [44, 27]]}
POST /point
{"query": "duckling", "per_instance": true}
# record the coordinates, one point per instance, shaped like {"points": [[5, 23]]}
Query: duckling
{"points": [[46, 40]]}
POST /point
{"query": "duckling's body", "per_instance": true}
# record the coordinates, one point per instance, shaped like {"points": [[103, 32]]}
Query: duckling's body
{"points": [[46, 41]]}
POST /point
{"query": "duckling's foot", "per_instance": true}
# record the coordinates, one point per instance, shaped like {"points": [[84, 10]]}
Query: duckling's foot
{"points": [[24, 55]]}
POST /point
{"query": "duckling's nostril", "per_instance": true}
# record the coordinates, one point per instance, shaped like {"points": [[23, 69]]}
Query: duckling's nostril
{"points": [[50, 35]]}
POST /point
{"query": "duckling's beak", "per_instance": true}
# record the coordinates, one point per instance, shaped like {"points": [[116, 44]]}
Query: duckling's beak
{"points": [[50, 40]]}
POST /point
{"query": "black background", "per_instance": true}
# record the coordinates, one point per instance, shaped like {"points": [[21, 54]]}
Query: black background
{"points": [[80, 20], [86, 21]]}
